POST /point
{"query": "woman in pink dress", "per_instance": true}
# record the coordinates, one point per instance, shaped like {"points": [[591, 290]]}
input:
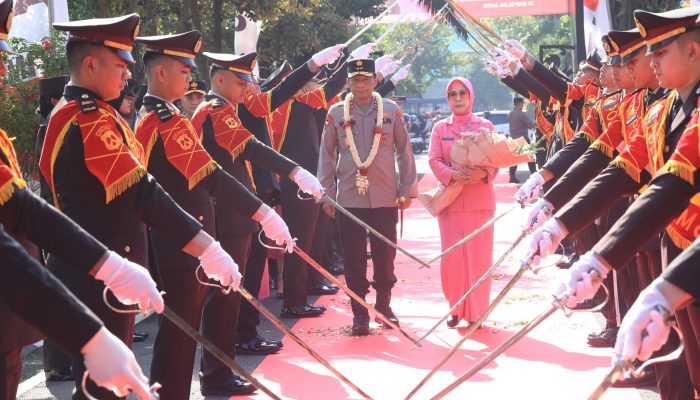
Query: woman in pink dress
{"points": [[461, 268]]}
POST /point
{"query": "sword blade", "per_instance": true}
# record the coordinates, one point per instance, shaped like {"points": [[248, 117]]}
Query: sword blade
{"points": [[374, 21], [214, 350], [352, 294], [282, 327], [610, 378], [374, 231]]}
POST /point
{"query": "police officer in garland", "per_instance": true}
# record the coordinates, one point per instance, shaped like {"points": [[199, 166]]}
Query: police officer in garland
{"points": [[364, 137], [94, 167]]}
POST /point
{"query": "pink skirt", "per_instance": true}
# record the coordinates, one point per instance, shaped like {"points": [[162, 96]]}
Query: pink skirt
{"points": [[460, 269]]}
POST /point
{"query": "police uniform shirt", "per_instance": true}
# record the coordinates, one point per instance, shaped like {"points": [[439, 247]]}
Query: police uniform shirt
{"points": [[385, 183]]}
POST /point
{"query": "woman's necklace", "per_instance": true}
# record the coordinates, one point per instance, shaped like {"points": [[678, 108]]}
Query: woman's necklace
{"points": [[361, 178]]}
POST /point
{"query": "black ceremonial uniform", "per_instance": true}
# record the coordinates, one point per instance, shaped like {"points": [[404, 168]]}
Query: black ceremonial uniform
{"points": [[220, 311], [282, 84], [297, 118], [41, 300], [119, 224]]}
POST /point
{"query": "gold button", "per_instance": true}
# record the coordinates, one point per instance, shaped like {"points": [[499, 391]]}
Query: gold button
{"points": [[201, 218], [127, 249]]}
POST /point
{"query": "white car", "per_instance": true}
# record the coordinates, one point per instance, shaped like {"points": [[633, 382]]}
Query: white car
{"points": [[499, 118]]}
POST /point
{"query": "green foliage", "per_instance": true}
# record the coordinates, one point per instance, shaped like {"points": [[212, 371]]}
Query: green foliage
{"points": [[20, 99]]}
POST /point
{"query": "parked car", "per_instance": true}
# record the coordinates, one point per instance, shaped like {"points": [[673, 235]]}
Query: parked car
{"points": [[499, 118]]}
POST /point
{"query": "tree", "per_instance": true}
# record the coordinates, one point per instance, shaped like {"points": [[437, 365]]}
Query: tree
{"points": [[622, 11]]}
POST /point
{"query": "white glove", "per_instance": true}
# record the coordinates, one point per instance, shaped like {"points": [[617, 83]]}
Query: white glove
{"points": [[580, 284], [545, 240], [130, 283], [219, 265], [112, 365], [644, 329], [540, 213], [515, 49], [500, 56], [328, 55], [401, 74], [390, 68], [531, 188], [363, 51], [492, 67], [308, 183], [382, 61], [274, 227]]}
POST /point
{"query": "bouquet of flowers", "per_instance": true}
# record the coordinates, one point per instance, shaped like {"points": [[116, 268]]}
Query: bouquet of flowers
{"points": [[490, 149], [484, 148]]}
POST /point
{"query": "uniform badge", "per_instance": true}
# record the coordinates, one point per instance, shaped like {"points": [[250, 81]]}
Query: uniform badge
{"points": [[653, 114], [185, 141], [110, 138], [231, 122]]}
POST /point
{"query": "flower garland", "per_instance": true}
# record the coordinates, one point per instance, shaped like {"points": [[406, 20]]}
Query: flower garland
{"points": [[361, 179]]}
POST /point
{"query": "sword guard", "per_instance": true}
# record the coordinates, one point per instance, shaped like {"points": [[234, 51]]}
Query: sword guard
{"points": [[121, 310], [224, 289]]}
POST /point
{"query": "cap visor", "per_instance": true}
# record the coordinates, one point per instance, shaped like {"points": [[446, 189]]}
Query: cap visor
{"points": [[187, 61], [5, 47], [125, 55], [614, 60], [369, 74], [659, 45], [245, 77]]}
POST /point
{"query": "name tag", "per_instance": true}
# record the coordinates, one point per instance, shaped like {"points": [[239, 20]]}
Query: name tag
{"points": [[609, 104], [342, 122], [631, 119], [387, 120], [447, 138]]}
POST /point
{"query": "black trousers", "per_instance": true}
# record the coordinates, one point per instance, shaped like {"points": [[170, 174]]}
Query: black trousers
{"points": [[54, 358], [319, 248], [672, 378], [173, 350], [220, 315], [688, 320], [249, 317], [301, 217], [11, 370], [354, 239]]}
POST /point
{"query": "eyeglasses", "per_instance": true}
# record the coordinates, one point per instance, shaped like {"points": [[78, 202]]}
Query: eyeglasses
{"points": [[461, 93]]}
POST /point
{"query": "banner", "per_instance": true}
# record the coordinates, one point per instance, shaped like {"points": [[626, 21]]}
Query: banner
{"points": [[488, 8], [32, 18], [596, 23], [245, 39]]}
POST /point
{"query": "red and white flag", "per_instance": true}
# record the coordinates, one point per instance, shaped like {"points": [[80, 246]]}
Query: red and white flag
{"points": [[596, 23]]}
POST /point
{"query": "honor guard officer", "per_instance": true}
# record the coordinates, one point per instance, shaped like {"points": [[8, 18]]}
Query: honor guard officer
{"points": [[194, 96], [37, 297], [234, 148], [363, 139], [256, 113], [175, 157], [93, 165], [673, 40], [29, 217]]}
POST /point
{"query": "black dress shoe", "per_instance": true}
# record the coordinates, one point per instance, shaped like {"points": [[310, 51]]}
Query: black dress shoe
{"points": [[336, 270], [57, 375], [257, 346], [140, 336], [323, 289], [360, 326], [235, 386], [271, 341], [453, 321], [304, 311], [606, 338]]}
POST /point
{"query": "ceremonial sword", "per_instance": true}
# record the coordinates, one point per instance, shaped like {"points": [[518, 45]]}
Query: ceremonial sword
{"points": [[282, 327], [207, 344], [623, 367], [524, 266], [374, 232], [557, 303], [374, 21]]}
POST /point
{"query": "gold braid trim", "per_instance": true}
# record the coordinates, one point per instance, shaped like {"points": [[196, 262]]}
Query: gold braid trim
{"points": [[629, 168], [586, 135], [201, 174], [241, 147], [125, 182], [679, 169], [603, 148], [8, 189]]}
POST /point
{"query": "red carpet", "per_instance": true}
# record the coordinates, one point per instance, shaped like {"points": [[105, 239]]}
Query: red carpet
{"points": [[553, 362]]}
